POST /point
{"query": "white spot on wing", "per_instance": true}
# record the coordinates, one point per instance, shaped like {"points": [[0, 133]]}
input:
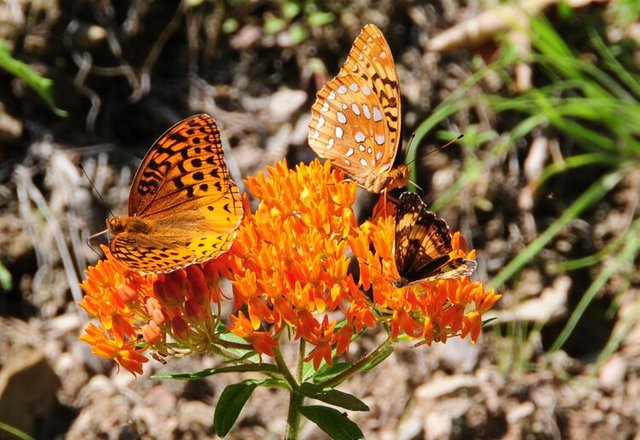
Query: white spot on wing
{"points": [[361, 148], [339, 132], [341, 117], [367, 112], [360, 137], [377, 114], [331, 95], [325, 106], [320, 123], [330, 144], [366, 90], [364, 163], [355, 109], [378, 155], [379, 139], [349, 152], [354, 87], [342, 89]]}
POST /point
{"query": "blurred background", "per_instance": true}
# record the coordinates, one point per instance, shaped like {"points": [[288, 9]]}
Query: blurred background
{"points": [[545, 185]]}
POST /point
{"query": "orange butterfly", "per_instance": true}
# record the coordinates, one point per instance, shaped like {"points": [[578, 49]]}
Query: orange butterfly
{"points": [[423, 245], [356, 119], [184, 207]]}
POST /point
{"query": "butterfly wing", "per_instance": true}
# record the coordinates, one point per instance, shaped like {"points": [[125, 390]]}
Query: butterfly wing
{"points": [[184, 207], [423, 245], [356, 118], [185, 168], [168, 244]]}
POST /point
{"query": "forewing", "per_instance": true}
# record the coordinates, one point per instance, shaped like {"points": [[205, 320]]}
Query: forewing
{"points": [[184, 207], [421, 236], [185, 170], [355, 120]]}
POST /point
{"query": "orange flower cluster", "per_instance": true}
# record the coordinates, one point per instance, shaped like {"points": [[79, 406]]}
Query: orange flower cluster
{"points": [[167, 313], [291, 270]]}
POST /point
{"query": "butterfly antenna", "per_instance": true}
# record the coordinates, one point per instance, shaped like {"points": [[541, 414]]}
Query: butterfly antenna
{"points": [[413, 135], [442, 147], [416, 185], [95, 190]]}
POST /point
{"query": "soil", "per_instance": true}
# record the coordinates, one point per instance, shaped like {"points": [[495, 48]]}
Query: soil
{"points": [[126, 71]]}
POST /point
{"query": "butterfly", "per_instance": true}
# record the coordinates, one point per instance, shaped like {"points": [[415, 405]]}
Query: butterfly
{"points": [[184, 207], [423, 245], [356, 118]]}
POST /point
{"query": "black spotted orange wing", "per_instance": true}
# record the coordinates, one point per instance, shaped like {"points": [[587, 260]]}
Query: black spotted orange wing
{"points": [[423, 245], [184, 207], [356, 118]]}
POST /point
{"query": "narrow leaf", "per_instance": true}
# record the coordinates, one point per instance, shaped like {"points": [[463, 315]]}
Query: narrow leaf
{"points": [[385, 353], [43, 86], [195, 375], [333, 397], [335, 424], [231, 402], [330, 371]]}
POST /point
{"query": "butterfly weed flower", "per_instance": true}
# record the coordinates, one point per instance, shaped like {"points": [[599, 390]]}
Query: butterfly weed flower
{"points": [[115, 297], [289, 268], [167, 314]]}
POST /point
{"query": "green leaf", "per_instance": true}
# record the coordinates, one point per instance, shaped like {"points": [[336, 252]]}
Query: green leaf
{"points": [[595, 192], [381, 356], [264, 368], [273, 25], [334, 423], [333, 397], [321, 18], [330, 371], [191, 4], [231, 402], [298, 33], [230, 25], [625, 257], [290, 9], [43, 86], [6, 281]]}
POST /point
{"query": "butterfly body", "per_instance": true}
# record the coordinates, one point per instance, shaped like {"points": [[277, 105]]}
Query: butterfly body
{"points": [[423, 245], [397, 177], [184, 207], [356, 118]]}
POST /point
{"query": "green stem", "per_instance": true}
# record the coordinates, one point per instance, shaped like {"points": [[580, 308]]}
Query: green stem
{"points": [[375, 356], [282, 365], [301, 353], [293, 416], [295, 398], [230, 344]]}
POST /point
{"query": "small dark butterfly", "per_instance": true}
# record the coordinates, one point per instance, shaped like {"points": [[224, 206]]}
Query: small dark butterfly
{"points": [[423, 245]]}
